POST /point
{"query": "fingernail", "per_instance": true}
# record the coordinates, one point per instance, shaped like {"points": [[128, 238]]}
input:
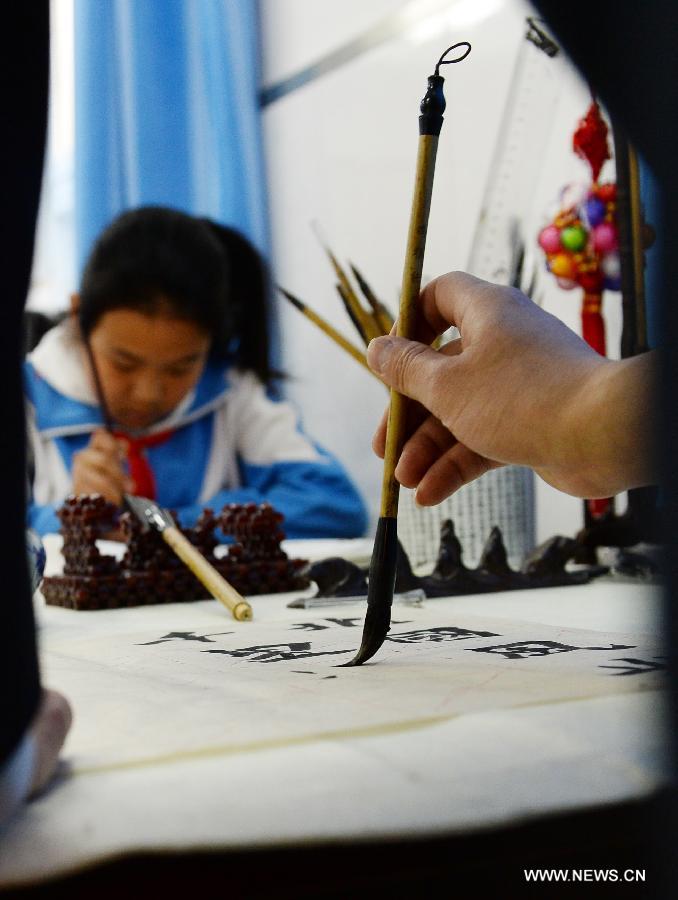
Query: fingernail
{"points": [[378, 353]]}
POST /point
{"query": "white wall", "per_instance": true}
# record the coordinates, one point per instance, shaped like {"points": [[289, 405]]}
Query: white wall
{"points": [[341, 151]]}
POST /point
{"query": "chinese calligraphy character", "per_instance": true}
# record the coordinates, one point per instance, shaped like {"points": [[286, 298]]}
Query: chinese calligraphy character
{"points": [[635, 666], [447, 633], [269, 653], [185, 636], [526, 649]]}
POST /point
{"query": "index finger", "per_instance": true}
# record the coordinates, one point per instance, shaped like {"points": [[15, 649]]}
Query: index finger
{"points": [[105, 442], [446, 300]]}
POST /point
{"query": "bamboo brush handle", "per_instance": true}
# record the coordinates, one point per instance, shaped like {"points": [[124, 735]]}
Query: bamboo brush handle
{"points": [[338, 338], [364, 318], [407, 315], [205, 572], [324, 326]]}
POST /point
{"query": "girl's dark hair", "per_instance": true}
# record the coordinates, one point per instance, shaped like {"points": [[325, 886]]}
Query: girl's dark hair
{"points": [[207, 273], [250, 290]]}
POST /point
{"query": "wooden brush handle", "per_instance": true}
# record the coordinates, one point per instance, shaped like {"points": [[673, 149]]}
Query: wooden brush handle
{"points": [[205, 572], [337, 338], [407, 314]]}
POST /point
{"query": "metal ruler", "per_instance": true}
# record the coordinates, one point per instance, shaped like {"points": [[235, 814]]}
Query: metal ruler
{"points": [[498, 247]]}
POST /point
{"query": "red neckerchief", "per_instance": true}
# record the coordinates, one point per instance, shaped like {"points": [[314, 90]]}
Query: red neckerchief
{"points": [[139, 468]]}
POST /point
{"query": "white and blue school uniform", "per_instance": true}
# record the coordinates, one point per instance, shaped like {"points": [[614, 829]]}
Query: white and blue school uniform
{"points": [[230, 444]]}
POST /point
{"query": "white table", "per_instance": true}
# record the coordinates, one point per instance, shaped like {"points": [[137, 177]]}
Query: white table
{"points": [[192, 730]]}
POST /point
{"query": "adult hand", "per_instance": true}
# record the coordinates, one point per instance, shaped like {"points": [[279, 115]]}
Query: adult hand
{"points": [[517, 387], [98, 469]]}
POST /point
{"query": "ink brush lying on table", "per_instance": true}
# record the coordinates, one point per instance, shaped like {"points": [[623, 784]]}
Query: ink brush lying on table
{"points": [[153, 516], [150, 514], [381, 579]]}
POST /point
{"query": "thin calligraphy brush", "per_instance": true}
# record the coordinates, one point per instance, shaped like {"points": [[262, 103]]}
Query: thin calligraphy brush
{"points": [[381, 579], [640, 519], [325, 327], [629, 220], [380, 313], [152, 515], [98, 390], [367, 324], [351, 314]]}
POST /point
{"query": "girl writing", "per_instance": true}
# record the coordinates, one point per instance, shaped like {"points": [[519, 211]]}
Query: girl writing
{"points": [[172, 318]]}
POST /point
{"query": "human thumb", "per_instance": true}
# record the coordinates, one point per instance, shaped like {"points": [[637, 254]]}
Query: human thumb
{"points": [[408, 367]]}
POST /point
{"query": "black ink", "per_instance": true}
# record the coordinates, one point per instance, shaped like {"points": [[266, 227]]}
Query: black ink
{"points": [[635, 666], [309, 626], [436, 635], [527, 649], [268, 653], [185, 636]]}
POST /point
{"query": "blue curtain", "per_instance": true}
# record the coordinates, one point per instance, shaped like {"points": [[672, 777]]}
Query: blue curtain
{"points": [[167, 112]]}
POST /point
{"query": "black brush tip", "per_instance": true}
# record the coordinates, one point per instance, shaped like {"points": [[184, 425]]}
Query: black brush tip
{"points": [[379, 590]]}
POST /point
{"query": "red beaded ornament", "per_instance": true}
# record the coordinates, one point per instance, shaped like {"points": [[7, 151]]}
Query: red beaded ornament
{"points": [[581, 243]]}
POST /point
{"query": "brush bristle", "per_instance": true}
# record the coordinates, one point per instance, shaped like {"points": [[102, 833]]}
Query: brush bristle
{"points": [[380, 589]]}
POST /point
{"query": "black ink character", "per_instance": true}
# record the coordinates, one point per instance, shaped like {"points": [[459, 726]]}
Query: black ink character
{"points": [[636, 666], [526, 649], [269, 653], [185, 636], [436, 635], [309, 626]]}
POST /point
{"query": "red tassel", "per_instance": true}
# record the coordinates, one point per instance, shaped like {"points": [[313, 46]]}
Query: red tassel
{"points": [[592, 324]]}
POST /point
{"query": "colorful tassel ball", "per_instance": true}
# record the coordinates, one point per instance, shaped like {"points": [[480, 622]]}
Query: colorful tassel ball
{"points": [[581, 243]]}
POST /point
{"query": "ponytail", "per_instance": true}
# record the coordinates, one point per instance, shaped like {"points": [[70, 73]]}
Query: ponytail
{"points": [[248, 292]]}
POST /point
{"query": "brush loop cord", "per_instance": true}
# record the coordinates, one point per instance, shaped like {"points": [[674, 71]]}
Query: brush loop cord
{"points": [[444, 62]]}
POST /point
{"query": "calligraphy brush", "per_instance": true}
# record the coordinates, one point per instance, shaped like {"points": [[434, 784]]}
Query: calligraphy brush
{"points": [[328, 329], [631, 250], [381, 314], [640, 518], [150, 514], [381, 578], [367, 324], [351, 314]]}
